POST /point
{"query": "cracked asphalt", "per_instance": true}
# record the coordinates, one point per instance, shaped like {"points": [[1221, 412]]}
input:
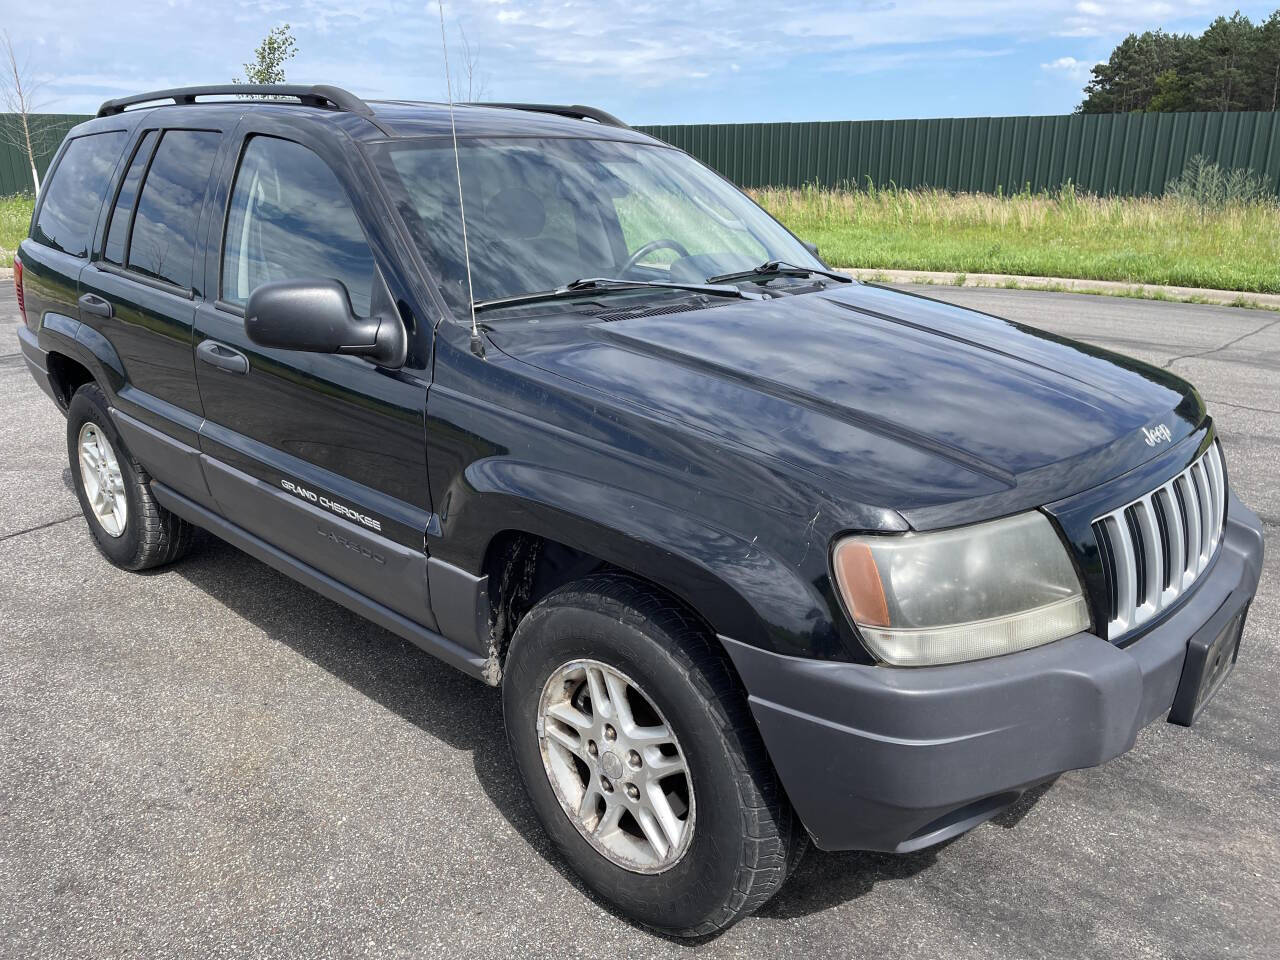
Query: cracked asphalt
{"points": [[211, 761]]}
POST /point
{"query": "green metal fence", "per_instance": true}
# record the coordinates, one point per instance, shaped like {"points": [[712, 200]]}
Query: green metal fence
{"points": [[1123, 153], [47, 129], [1127, 153]]}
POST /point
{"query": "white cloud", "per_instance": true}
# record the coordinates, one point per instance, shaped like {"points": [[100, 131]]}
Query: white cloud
{"points": [[1077, 70]]}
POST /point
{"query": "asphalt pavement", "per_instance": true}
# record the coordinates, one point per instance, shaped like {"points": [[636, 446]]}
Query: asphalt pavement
{"points": [[211, 761]]}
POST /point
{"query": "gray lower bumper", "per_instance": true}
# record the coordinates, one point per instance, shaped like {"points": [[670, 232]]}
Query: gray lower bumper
{"points": [[883, 758], [37, 361]]}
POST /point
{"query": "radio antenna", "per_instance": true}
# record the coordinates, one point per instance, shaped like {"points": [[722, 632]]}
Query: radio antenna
{"points": [[477, 345]]}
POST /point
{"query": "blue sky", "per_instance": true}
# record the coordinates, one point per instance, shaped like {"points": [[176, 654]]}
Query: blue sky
{"points": [[650, 61]]}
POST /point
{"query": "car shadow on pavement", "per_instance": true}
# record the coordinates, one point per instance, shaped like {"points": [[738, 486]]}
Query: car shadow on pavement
{"points": [[824, 880], [467, 715], [439, 700]]}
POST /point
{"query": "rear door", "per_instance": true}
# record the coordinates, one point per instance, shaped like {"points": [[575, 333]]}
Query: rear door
{"points": [[322, 456], [141, 290]]}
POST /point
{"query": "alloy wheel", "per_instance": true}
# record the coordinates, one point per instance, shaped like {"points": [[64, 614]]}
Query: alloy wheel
{"points": [[102, 479], [616, 766]]}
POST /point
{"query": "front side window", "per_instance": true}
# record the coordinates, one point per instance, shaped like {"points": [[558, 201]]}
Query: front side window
{"points": [[290, 219], [544, 212], [163, 243], [73, 196]]}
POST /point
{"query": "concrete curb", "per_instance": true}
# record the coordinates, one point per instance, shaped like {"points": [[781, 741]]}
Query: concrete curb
{"points": [[1270, 301]]}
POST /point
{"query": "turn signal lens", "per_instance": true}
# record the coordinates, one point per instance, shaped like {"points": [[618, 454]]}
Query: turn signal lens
{"points": [[961, 594]]}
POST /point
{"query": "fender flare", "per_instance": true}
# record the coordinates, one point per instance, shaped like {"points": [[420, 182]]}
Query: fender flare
{"points": [[738, 587], [60, 334]]}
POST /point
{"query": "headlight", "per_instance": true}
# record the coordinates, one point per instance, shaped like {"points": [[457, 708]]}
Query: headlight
{"points": [[961, 594]]}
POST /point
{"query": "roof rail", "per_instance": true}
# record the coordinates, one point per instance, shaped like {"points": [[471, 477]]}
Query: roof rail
{"points": [[320, 95], [577, 111]]}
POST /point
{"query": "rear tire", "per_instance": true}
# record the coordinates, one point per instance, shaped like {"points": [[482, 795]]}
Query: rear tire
{"points": [[129, 527], [743, 834]]}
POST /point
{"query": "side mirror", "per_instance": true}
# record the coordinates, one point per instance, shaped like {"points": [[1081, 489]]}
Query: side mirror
{"points": [[811, 247], [315, 316]]}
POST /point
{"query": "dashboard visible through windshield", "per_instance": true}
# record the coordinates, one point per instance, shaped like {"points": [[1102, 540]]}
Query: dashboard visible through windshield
{"points": [[542, 213]]}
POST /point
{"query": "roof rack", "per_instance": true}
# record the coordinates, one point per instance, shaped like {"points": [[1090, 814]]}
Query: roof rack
{"points": [[577, 111], [320, 95]]}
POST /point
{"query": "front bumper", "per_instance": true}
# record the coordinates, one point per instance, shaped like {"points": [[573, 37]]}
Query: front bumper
{"points": [[886, 758]]}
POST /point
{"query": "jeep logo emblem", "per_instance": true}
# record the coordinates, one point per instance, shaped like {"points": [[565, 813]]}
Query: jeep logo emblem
{"points": [[1157, 435]]}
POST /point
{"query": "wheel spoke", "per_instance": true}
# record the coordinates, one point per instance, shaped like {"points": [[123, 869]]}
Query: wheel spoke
{"points": [[590, 801], [652, 831], [600, 704], [651, 736], [609, 822], [618, 700], [571, 742], [658, 765], [666, 817], [570, 715]]}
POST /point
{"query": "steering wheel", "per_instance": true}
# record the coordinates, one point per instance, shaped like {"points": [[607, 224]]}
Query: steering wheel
{"points": [[650, 247]]}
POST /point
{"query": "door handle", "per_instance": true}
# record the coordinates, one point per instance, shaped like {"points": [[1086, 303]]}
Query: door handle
{"points": [[222, 357], [96, 305]]}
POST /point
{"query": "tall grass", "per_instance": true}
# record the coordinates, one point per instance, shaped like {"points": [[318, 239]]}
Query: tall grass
{"points": [[1199, 235], [1175, 239], [15, 218]]}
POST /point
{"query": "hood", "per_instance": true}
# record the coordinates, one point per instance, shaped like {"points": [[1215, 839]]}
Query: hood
{"points": [[896, 399]]}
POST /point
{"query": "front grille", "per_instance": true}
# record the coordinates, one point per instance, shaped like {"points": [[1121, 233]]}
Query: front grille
{"points": [[1156, 547]]}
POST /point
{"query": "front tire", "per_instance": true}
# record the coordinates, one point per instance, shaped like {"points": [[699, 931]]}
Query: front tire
{"points": [[641, 758], [129, 527]]}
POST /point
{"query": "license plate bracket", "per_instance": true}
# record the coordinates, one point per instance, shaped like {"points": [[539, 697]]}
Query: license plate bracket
{"points": [[1207, 665]]}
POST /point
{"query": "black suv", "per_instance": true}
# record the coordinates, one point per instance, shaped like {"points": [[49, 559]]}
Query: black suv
{"points": [[757, 554]]}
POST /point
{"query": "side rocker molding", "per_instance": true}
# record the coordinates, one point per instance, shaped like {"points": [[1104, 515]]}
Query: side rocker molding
{"points": [[433, 643]]}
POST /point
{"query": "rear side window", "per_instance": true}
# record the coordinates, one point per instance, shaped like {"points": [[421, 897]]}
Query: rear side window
{"points": [[163, 242], [73, 197], [119, 229], [290, 219]]}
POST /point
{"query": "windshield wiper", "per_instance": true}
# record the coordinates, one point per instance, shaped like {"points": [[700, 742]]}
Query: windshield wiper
{"points": [[576, 288], [778, 268]]}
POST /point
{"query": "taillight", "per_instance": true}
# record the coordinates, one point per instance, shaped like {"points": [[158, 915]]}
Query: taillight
{"points": [[17, 286]]}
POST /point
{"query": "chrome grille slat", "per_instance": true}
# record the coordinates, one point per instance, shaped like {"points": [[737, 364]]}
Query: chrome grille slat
{"points": [[1191, 500], [1207, 532], [1164, 559], [1152, 559], [1177, 558]]}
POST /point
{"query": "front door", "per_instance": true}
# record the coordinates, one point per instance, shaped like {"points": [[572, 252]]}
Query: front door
{"points": [[322, 456]]}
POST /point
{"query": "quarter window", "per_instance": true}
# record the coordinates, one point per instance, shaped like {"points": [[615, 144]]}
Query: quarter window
{"points": [[73, 197], [290, 219], [163, 242]]}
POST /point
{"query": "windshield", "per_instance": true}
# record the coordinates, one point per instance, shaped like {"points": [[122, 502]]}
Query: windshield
{"points": [[544, 212]]}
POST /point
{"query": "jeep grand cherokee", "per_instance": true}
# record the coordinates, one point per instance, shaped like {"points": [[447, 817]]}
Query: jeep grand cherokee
{"points": [[758, 555]]}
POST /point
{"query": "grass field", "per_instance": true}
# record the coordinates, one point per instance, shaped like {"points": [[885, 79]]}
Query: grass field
{"points": [[15, 218], [1140, 240], [1134, 239]]}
